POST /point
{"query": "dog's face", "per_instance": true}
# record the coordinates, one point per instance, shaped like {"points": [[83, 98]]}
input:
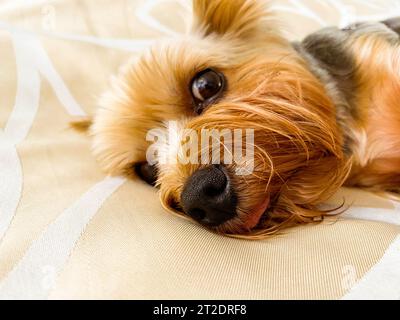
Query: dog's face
{"points": [[233, 73]]}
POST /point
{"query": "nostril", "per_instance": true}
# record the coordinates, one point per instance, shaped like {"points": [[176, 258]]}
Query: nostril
{"points": [[215, 190], [217, 184], [197, 214]]}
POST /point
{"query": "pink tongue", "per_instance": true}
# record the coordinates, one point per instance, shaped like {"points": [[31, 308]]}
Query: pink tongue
{"points": [[255, 216]]}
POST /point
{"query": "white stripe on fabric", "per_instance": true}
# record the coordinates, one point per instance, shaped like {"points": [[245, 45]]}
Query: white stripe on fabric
{"points": [[382, 282], [28, 91], [31, 60], [391, 216], [35, 275], [131, 45], [10, 182], [16, 129], [46, 68]]}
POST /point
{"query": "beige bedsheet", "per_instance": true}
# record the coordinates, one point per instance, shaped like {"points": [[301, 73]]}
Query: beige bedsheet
{"points": [[67, 231]]}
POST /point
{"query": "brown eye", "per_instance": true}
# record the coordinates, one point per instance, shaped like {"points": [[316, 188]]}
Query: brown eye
{"points": [[207, 86]]}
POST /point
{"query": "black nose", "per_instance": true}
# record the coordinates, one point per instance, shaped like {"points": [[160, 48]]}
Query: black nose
{"points": [[208, 196]]}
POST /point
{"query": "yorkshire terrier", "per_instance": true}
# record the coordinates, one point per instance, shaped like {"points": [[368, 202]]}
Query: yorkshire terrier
{"points": [[325, 113]]}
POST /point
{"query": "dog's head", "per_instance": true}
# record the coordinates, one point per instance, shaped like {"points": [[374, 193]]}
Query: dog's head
{"points": [[243, 136]]}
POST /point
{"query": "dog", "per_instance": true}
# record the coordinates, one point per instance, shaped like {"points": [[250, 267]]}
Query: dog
{"points": [[325, 113]]}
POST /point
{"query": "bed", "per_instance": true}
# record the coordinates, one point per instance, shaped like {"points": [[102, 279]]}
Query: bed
{"points": [[67, 231]]}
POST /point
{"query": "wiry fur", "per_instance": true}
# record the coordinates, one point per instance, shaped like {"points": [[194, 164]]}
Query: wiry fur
{"points": [[303, 119]]}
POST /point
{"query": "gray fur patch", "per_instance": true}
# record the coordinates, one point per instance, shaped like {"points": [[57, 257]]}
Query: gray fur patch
{"points": [[329, 57], [332, 63], [393, 24], [328, 48]]}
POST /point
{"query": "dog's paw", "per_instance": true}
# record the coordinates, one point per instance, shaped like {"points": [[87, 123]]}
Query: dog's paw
{"points": [[148, 173]]}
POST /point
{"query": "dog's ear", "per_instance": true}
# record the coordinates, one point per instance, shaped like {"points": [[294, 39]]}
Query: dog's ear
{"points": [[233, 18]]}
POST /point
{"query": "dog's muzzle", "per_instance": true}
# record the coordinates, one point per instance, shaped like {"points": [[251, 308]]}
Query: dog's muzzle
{"points": [[208, 196]]}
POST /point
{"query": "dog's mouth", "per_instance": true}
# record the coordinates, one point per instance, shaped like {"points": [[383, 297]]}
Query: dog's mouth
{"points": [[255, 216], [243, 220], [248, 221]]}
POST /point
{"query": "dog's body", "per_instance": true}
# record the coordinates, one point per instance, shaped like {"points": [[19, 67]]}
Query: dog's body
{"points": [[324, 113], [360, 68]]}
